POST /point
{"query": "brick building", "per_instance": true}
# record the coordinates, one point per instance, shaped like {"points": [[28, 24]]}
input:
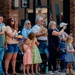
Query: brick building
{"points": [[7, 11], [20, 14], [57, 8], [72, 19]]}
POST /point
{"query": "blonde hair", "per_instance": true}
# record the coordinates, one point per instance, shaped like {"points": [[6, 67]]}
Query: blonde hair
{"points": [[69, 39], [51, 23]]}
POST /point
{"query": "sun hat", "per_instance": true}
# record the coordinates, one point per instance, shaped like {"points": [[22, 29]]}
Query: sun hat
{"points": [[63, 24]]}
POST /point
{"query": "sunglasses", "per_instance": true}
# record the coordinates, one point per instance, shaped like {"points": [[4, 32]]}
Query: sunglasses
{"points": [[29, 23]]}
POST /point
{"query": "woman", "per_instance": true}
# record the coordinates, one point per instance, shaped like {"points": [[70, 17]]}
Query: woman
{"points": [[53, 43], [26, 28], [63, 38], [64, 35], [12, 45]]}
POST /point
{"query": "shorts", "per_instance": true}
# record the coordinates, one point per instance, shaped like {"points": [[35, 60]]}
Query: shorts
{"points": [[12, 48]]}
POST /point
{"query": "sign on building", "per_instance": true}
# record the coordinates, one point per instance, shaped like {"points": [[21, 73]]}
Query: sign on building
{"points": [[25, 3]]}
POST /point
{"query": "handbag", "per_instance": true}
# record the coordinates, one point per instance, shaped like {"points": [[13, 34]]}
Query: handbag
{"points": [[58, 48]]}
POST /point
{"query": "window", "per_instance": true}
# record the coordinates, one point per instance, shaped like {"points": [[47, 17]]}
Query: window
{"points": [[57, 13]]}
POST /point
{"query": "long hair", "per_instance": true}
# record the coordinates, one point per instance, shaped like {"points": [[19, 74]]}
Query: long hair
{"points": [[31, 36], [51, 23], [9, 20], [25, 23]]}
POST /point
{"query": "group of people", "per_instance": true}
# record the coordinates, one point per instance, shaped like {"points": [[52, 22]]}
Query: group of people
{"points": [[37, 41]]}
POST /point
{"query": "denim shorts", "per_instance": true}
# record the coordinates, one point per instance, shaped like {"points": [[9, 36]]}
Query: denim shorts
{"points": [[12, 48]]}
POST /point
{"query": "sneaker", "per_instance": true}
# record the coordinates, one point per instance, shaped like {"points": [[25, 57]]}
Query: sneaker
{"points": [[63, 70], [51, 73], [57, 72], [37, 73]]}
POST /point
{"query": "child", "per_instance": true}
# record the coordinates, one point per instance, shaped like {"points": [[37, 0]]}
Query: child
{"points": [[35, 52], [27, 58], [69, 58]]}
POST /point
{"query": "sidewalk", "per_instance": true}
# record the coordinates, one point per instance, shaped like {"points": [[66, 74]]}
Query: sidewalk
{"points": [[61, 73]]}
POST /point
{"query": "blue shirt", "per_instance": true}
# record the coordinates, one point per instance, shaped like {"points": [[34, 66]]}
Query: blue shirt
{"points": [[25, 32]]}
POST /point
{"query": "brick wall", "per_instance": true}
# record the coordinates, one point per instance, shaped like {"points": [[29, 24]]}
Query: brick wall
{"points": [[72, 19], [7, 11]]}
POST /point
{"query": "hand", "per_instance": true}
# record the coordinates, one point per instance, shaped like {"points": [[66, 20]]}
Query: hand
{"points": [[2, 32], [73, 50], [43, 33], [37, 43], [64, 27], [3, 28]]}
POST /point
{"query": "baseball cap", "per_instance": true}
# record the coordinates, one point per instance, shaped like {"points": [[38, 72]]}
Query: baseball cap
{"points": [[63, 24]]}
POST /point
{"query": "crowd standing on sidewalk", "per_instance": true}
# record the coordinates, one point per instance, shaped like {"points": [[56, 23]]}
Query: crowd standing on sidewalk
{"points": [[38, 46]]}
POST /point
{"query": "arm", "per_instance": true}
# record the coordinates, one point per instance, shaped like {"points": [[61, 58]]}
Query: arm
{"points": [[32, 44], [40, 34], [25, 48], [3, 30], [68, 50], [66, 35], [10, 32], [24, 33], [1, 33], [36, 42], [57, 33]]}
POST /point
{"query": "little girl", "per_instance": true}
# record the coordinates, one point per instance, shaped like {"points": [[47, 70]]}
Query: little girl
{"points": [[35, 52], [27, 58], [69, 58]]}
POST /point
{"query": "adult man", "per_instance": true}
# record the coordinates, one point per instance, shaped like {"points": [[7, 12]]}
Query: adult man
{"points": [[40, 33], [2, 41]]}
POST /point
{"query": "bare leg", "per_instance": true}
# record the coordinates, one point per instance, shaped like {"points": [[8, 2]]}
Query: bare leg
{"points": [[14, 62], [32, 68], [71, 68], [24, 69], [67, 69], [7, 60], [36, 66], [27, 69]]}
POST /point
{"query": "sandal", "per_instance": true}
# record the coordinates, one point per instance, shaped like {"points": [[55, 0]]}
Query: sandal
{"points": [[15, 74], [33, 73]]}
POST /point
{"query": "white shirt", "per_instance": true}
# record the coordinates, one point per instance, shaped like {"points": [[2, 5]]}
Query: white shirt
{"points": [[36, 29]]}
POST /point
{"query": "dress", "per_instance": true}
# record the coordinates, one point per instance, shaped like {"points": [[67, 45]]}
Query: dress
{"points": [[36, 55], [69, 56], [27, 58]]}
